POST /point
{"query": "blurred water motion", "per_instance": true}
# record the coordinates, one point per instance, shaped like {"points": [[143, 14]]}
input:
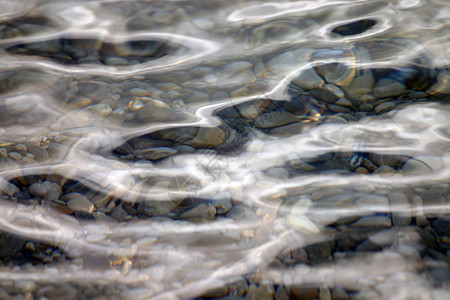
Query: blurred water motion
{"points": [[184, 150]]}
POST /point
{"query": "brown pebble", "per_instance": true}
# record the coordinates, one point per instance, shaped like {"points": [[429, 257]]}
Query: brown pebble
{"points": [[304, 292], [361, 170]]}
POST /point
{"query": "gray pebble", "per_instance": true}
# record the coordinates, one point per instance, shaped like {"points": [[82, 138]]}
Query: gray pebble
{"points": [[7, 188], [202, 211], [373, 221], [388, 88], [365, 107], [401, 209], [38, 190], [155, 153], [54, 190], [81, 203], [308, 79], [344, 102], [385, 106], [15, 155], [360, 86], [422, 164], [119, 214], [275, 119]]}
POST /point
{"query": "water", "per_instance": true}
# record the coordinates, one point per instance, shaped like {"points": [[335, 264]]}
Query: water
{"points": [[178, 149]]}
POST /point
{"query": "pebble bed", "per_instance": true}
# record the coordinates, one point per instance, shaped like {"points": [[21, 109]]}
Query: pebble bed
{"points": [[137, 165]]}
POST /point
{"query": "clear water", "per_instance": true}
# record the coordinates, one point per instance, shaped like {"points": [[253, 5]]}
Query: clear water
{"points": [[189, 149]]}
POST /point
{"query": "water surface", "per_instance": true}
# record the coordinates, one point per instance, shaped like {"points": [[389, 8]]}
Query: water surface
{"points": [[260, 150]]}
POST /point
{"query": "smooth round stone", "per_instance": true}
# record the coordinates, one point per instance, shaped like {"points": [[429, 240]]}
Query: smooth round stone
{"points": [[200, 211], [200, 71], [384, 169], [334, 90], [401, 209], [338, 108], [94, 90], [383, 107], [81, 203], [388, 88], [336, 120], [275, 119], [442, 85], [422, 164], [298, 220], [138, 92], [21, 148], [237, 66], [15, 155], [116, 61], [308, 79], [7, 188], [365, 107], [198, 97], [207, 137], [119, 214], [323, 94], [372, 221], [304, 292], [102, 110], [344, 102], [153, 111], [339, 74], [155, 153], [361, 170], [38, 189], [385, 159], [3, 153], [360, 86], [54, 190]]}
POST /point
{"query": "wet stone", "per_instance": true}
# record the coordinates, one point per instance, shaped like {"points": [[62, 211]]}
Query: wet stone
{"points": [[308, 79], [38, 189], [202, 211], [354, 28], [422, 164], [344, 102], [302, 292], [388, 88], [7, 188], [373, 221], [365, 107], [384, 107], [155, 153], [208, 137], [360, 86], [119, 214], [80, 203], [15, 155], [259, 292], [151, 110], [401, 209]]}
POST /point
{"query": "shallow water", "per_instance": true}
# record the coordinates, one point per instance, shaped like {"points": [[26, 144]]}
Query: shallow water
{"points": [[260, 150]]}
